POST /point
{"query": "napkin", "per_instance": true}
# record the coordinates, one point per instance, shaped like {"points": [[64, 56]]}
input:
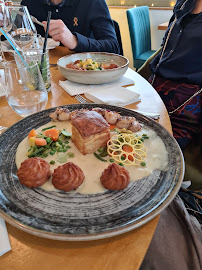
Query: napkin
{"points": [[73, 88], [51, 44], [118, 96], [4, 240]]}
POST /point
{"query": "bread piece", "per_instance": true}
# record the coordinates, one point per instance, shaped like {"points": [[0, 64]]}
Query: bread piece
{"points": [[90, 131]]}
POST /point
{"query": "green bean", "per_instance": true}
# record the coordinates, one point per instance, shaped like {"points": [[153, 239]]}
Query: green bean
{"points": [[99, 157], [104, 152], [48, 128]]}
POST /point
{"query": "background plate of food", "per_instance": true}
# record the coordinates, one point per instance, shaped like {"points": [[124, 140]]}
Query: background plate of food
{"points": [[93, 67], [95, 208]]}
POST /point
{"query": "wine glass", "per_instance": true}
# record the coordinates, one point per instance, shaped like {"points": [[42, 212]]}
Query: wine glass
{"points": [[23, 30], [5, 22], [25, 89]]}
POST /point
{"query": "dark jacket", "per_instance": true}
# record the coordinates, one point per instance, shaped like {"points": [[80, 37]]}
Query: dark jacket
{"points": [[182, 59], [89, 20]]}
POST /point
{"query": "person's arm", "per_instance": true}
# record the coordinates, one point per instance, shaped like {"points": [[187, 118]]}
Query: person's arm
{"points": [[105, 39]]}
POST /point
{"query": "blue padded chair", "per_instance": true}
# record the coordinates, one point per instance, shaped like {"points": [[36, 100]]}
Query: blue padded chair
{"points": [[140, 34]]}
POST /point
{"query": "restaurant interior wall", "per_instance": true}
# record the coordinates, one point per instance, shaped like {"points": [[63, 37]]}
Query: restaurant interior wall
{"points": [[157, 16]]}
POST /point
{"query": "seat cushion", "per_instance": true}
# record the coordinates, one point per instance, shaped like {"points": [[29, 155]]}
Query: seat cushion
{"points": [[142, 58]]}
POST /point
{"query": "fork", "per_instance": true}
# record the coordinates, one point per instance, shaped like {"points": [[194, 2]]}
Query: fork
{"points": [[82, 99], [151, 115]]}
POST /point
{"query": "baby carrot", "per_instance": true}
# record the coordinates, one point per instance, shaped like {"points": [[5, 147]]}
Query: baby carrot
{"points": [[127, 148], [52, 133], [112, 127], [32, 133], [40, 141]]}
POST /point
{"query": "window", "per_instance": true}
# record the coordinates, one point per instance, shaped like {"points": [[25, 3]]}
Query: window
{"points": [[150, 3]]}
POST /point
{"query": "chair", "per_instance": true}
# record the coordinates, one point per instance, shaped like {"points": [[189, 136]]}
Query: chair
{"points": [[118, 35], [140, 34], [144, 70]]}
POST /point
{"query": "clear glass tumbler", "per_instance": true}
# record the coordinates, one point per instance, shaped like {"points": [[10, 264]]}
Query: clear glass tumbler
{"points": [[25, 90], [34, 56]]}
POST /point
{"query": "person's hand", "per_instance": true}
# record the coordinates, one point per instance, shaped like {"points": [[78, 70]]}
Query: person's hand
{"points": [[59, 32]]}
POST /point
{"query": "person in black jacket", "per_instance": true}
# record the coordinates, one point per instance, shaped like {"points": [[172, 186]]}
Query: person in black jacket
{"points": [[177, 70], [81, 26]]}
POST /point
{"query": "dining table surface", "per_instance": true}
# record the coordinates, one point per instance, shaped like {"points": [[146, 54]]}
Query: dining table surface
{"points": [[121, 252]]}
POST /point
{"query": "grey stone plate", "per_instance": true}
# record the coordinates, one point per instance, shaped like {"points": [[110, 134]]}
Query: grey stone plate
{"points": [[79, 217]]}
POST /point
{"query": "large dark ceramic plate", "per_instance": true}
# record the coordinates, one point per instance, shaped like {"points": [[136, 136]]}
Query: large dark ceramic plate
{"points": [[68, 216]]}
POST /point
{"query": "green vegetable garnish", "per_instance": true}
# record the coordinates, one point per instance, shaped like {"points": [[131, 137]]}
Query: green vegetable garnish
{"points": [[104, 152], [111, 160], [99, 157], [52, 162], [66, 134], [143, 164], [70, 155], [48, 140], [48, 128]]}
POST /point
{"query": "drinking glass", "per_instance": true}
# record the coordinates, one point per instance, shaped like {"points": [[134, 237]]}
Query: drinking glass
{"points": [[23, 30], [26, 92], [5, 22], [34, 56]]}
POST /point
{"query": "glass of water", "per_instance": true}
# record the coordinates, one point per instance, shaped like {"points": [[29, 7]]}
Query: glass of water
{"points": [[25, 90], [34, 56]]}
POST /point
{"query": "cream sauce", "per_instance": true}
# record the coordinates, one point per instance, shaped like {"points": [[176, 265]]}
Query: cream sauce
{"points": [[157, 158]]}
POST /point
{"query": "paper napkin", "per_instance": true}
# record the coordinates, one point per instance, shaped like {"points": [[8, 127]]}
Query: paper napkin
{"points": [[118, 96], [73, 88], [4, 240]]}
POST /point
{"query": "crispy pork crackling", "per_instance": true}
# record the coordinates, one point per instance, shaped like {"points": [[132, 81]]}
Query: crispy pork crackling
{"points": [[34, 172], [67, 177], [90, 131], [115, 177]]}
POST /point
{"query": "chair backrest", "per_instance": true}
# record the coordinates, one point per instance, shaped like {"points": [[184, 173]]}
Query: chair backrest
{"points": [[118, 35], [139, 28]]}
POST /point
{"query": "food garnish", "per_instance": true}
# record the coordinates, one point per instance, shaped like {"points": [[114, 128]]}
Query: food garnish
{"points": [[127, 149], [48, 143]]}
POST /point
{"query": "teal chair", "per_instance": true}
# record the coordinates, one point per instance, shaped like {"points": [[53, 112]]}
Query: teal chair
{"points": [[140, 34]]}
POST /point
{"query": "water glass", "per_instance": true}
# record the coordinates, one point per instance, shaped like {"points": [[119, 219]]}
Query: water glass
{"points": [[25, 90], [23, 31], [34, 56]]}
